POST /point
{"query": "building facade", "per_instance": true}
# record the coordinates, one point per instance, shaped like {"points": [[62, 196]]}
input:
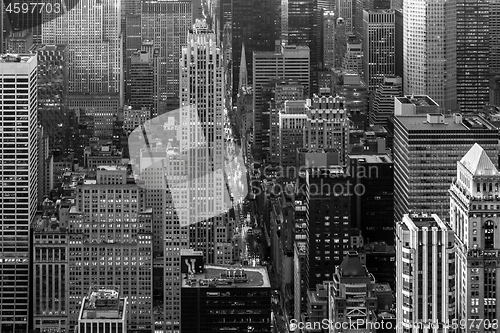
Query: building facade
{"points": [[430, 50], [425, 273], [420, 186], [18, 111], [474, 217]]}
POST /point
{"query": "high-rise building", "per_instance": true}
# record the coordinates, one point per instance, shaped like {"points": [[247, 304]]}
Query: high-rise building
{"points": [[103, 310], [340, 42], [132, 43], [383, 101], [111, 243], [355, 96], [52, 91], [328, 204], [291, 62], [51, 267], [373, 211], [283, 91], [360, 6], [141, 80], [425, 273], [327, 125], [166, 24], [378, 46], [474, 216], [329, 20], [244, 293], [344, 10], [353, 57], [420, 186], [430, 50], [292, 121], [18, 194], [92, 32], [351, 296], [398, 42], [253, 23], [473, 50]]}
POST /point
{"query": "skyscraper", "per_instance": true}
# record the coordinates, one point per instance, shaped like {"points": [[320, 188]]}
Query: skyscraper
{"points": [[430, 50], [327, 125], [329, 39], [18, 194], [378, 46], [111, 243], [166, 24], [344, 10], [474, 216], [383, 103], [425, 273], [92, 31], [473, 51], [292, 62], [253, 23], [420, 186]]}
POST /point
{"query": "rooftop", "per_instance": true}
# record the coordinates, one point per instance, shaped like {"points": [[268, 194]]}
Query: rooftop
{"points": [[372, 159], [22, 58], [418, 221], [478, 162], [228, 276], [417, 100], [420, 123], [351, 266], [103, 302]]}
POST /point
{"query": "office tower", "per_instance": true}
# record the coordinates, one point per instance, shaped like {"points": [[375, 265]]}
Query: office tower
{"points": [[340, 42], [383, 101], [253, 23], [45, 160], [104, 309], [52, 92], [425, 270], [373, 212], [329, 20], [327, 125], [378, 46], [360, 6], [292, 121], [51, 267], [111, 243], [301, 250], [430, 53], [132, 43], [244, 293], [344, 10], [494, 54], [141, 80], [472, 54], [351, 295], [474, 218], [283, 91], [19, 42], [398, 42], [328, 203], [381, 261], [203, 98], [420, 186], [19, 157], [92, 32], [291, 62], [166, 24], [355, 95], [353, 57], [133, 117]]}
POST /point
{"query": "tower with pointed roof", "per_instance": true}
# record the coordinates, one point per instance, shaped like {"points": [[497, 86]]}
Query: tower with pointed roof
{"points": [[475, 218], [243, 70]]}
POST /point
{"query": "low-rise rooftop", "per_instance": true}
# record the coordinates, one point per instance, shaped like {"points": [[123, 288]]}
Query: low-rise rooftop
{"points": [[228, 276]]}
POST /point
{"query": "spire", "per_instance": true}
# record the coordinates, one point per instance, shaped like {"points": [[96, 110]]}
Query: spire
{"points": [[243, 68]]}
